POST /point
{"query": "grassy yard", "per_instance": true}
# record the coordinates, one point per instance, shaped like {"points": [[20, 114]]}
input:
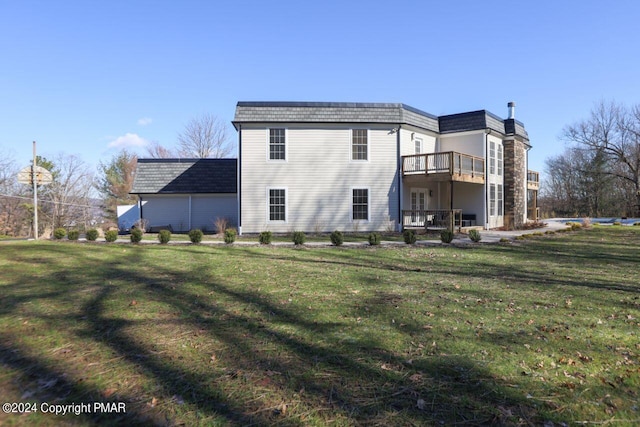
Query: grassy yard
{"points": [[541, 331]]}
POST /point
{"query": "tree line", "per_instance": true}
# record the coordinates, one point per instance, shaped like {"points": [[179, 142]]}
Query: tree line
{"points": [[598, 173], [79, 198]]}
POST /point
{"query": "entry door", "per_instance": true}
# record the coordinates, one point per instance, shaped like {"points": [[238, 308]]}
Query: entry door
{"points": [[418, 206]]}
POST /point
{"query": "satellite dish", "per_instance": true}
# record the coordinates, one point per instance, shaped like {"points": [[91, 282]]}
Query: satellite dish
{"points": [[43, 176]]}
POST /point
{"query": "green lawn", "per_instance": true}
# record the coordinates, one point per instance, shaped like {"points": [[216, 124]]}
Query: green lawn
{"points": [[539, 331]]}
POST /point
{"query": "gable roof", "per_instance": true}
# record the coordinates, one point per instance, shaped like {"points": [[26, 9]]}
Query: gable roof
{"points": [[358, 112], [185, 176]]}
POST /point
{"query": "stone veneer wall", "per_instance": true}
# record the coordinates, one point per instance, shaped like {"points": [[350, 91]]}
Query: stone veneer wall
{"points": [[515, 176]]}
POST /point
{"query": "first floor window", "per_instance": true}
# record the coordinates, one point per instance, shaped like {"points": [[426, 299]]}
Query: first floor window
{"points": [[360, 204], [492, 199], [277, 204], [500, 199]]}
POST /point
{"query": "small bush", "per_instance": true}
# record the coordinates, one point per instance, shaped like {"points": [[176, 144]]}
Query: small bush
{"points": [[299, 237], [111, 235], [195, 235], [549, 232], [337, 238], [136, 235], [92, 235], [265, 237], [474, 235], [617, 223], [59, 233], [230, 235], [374, 239], [537, 234], [504, 240], [446, 236], [221, 224], [164, 236], [73, 235], [520, 238], [409, 236], [635, 224]]}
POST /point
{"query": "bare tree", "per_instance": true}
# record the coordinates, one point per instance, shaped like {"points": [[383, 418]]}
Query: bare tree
{"points": [[614, 131], [67, 201], [157, 151], [205, 136], [14, 199]]}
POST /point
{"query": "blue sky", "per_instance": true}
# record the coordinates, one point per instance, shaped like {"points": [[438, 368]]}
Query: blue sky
{"points": [[89, 78]]}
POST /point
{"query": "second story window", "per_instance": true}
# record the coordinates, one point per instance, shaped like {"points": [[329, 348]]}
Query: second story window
{"points": [[492, 158], [359, 144], [277, 144]]}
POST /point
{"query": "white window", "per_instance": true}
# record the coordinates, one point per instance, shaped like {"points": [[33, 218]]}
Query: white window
{"points": [[500, 159], [277, 144], [492, 199], [418, 145], [360, 204], [359, 144], [500, 199], [492, 158], [277, 204]]}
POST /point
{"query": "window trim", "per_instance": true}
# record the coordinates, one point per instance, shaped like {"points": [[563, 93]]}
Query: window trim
{"points": [[286, 145], [351, 203], [368, 154], [286, 204]]}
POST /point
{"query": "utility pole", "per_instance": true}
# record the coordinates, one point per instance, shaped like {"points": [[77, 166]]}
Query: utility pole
{"points": [[35, 194]]}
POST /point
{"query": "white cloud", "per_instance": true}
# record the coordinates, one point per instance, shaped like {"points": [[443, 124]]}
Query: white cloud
{"points": [[145, 121], [128, 140]]}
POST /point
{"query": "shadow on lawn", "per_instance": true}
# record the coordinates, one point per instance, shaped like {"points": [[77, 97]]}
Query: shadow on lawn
{"points": [[348, 382]]}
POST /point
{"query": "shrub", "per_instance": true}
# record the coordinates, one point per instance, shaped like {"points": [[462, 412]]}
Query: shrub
{"points": [[195, 235], [409, 236], [636, 223], [230, 235], [299, 238], [504, 240], [59, 233], [92, 234], [164, 236], [265, 237], [73, 234], [549, 232], [474, 235], [221, 224], [136, 235], [111, 235], [446, 236], [617, 223], [337, 238], [520, 238], [374, 239]]}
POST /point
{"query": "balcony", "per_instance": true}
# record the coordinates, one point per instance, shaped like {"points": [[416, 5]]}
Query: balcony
{"points": [[447, 166], [533, 180]]}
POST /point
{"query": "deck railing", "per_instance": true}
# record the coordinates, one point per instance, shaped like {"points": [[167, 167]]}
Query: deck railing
{"points": [[432, 218], [447, 162]]}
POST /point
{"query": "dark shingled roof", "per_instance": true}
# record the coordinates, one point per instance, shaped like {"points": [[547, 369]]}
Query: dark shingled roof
{"points": [[358, 112], [186, 176]]}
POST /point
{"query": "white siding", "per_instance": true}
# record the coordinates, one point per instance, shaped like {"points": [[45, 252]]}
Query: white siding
{"points": [[319, 175], [471, 143], [407, 142]]}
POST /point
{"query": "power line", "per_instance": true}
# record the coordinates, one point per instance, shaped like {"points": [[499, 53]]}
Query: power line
{"points": [[50, 201]]}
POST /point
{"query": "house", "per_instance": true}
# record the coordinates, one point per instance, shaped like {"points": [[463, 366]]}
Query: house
{"points": [[317, 167], [183, 194]]}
